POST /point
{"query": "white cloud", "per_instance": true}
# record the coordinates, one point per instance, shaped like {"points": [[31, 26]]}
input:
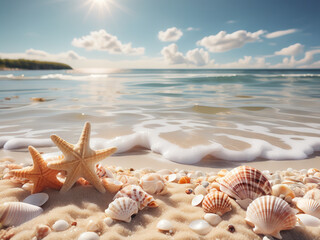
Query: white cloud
{"points": [[103, 41], [34, 54], [170, 35], [280, 33], [293, 63], [223, 42], [292, 50], [192, 29], [197, 56], [245, 62]]}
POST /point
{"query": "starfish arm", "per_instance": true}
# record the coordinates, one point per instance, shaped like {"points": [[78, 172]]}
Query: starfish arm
{"points": [[22, 173], [37, 186], [66, 148], [101, 154], [92, 177], [84, 140], [38, 162], [72, 176], [60, 165]]}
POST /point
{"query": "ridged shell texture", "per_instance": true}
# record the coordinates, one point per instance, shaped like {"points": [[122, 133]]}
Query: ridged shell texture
{"points": [[216, 202], [122, 209]]}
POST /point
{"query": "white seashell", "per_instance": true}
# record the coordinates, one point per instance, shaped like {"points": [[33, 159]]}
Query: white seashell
{"points": [[182, 173], [89, 236], [60, 225], [16, 213], [122, 209], [37, 199], [283, 191], [269, 215], [197, 200], [205, 183], [246, 184], [308, 206], [200, 190], [199, 173], [192, 175], [164, 225], [313, 194], [173, 177], [201, 227], [153, 183], [303, 171], [111, 184], [312, 171], [212, 218], [308, 220], [108, 221], [137, 194], [94, 226], [27, 186], [164, 172]]}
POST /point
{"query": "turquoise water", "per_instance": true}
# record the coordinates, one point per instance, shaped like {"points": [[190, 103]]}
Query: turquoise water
{"points": [[184, 115]]}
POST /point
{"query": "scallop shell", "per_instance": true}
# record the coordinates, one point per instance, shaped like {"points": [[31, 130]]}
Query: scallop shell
{"points": [[201, 227], [37, 199], [184, 180], [216, 202], [313, 194], [122, 209], [308, 206], [152, 183], [269, 215], [111, 184], [103, 172], [137, 194], [245, 184], [16, 213], [283, 191]]}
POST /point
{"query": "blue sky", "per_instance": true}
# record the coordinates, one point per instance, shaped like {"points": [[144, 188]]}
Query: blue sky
{"points": [[163, 34]]}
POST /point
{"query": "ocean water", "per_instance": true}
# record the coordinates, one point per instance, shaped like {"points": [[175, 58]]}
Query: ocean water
{"points": [[183, 115]]}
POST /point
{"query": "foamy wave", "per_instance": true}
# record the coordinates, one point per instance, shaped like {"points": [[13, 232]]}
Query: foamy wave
{"points": [[55, 76]]}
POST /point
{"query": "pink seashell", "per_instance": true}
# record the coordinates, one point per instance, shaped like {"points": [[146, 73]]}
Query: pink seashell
{"points": [[153, 183], [308, 206], [216, 202], [122, 209], [269, 215], [137, 194], [83, 182], [245, 184], [42, 231], [100, 171]]}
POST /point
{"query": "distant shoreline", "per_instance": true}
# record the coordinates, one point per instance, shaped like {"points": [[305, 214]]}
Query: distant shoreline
{"points": [[24, 64]]}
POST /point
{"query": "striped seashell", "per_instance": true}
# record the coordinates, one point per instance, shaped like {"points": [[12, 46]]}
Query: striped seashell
{"points": [[100, 171], [184, 179], [245, 184], [122, 209], [308, 206], [216, 202], [16, 213], [137, 194], [269, 215], [153, 183]]}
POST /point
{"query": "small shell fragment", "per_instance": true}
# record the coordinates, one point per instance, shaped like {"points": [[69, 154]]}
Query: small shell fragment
{"points": [[200, 190], [42, 231], [108, 221], [89, 236], [60, 225], [201, 227], [197, 200], [37, 199], [212, 218], [164, 225]]}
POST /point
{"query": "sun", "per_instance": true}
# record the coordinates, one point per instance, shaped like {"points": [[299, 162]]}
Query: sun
{"points": [[102, 6]]}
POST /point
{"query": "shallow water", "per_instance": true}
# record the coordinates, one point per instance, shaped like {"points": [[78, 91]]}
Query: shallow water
{"points": [[185, 115]]}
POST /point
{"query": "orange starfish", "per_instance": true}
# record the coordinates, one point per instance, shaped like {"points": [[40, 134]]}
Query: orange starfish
{"points": [[79, 160], [39, 174]]}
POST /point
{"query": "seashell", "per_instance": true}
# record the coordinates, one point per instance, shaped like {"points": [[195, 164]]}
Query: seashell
{"points": [[245, 184], [312, 171], [197, 200], [108, 221], [165, 226], [60, 225], [137, 194], [308, 220], [200, 190], [212, 179], [16, 213], [103, 172], [94, 226], [189, 191], [153, 183], [223, 172], [184, 180], [313, 194], [37, 199], [269, 215], [164, 172], [283, 191], [192, 175], [308, 206], [212, 218], [111, 184], [173, 177], [183, 173], [312, 179], [216, 202], [213, 186], [89, 236], [42, 231], [27, 186], [201, 227], [83, 182], [205, 183], [303, 171], [122, 209], [128, 180], [199, 173]]}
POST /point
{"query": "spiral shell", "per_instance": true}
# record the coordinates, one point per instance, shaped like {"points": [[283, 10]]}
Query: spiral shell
{"points": [[16, 213], [245, 184], [308, 206], [152, 183], [216, 202], [269, 215], [122, 209], [137, 194]]}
